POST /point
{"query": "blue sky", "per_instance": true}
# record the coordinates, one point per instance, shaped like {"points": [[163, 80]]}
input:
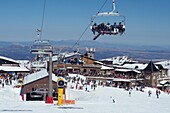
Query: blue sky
{"points": [[147, 21]]}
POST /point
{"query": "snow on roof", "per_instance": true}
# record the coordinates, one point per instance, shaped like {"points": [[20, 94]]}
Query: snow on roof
{"points": [[64, 55], [122, 80], [107, 59], [135, 66], [119, 59], [122, 70], [127, 70], [98, 62], [163, 82], [136, 71], [9, 59], [35, 76], [22, 63], [12, 68], [165, 64], [71, 54], [77, 75], [105, 68], [38, 75], [159, 85]]}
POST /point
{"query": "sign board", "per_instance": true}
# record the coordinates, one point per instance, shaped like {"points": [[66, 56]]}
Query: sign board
{"points": [[60, 83]]}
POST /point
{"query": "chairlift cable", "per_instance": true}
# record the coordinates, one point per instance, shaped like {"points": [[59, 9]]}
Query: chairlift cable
{"points": [[88, 26], [43, 16], [102, 7]]}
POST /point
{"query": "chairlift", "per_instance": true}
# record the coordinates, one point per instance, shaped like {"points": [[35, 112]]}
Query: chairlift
{"points": [[111, 27], [41, 47]]}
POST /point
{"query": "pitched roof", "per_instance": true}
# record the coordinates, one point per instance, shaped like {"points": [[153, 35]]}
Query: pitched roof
{"points": [[38, 75], [8, 59], [13, 68], [151, 67]]}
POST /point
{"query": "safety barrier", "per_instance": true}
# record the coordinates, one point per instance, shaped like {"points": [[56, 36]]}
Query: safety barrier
{"points": [[68, 101]]}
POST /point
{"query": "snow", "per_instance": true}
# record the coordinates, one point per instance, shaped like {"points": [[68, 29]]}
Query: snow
{"points": [[127, 70], [94, 101], [119, 60], [38, 75], [65, 54], [133, 66], [77, 75], [13, 68], [163, 82], [8, 59], [165, 64], [35, 76], [105, 67]]}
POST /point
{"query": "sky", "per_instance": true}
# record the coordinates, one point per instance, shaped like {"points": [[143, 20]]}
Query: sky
{"points": [[147, 21]]}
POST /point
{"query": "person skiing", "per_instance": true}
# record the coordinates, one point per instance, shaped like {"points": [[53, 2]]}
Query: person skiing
{"points": [[86, 88], [157, 93], [113, 100], [130, 92], [149, 93], [94, 87], [2, 84]]}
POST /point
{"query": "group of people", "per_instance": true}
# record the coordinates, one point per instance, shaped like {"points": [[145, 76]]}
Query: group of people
{"points": [[108, 28], [5, 80], [157, 93]]}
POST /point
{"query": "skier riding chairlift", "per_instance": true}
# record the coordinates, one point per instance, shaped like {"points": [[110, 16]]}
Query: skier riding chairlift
{"points": [[108, 29]]}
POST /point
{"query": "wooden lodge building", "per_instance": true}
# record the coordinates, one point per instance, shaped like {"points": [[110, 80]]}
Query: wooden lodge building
{"points": [[38, 83], [8, 65], [148, 75]]}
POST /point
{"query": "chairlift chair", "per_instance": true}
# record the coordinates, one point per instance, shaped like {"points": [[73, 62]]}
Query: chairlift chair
{"points": [[41, 47], [102, 29]]}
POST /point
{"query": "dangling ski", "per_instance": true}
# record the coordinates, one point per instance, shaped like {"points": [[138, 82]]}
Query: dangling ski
{"points": [[96, 36]]}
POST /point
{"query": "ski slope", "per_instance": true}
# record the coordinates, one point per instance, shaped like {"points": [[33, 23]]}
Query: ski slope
{"points": [[98, 101]]}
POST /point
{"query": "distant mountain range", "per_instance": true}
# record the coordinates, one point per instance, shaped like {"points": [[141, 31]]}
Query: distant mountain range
{"points": [[21, 50]]}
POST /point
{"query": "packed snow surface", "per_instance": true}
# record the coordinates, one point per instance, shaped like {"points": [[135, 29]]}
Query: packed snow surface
{"points": [[91, 101]]}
